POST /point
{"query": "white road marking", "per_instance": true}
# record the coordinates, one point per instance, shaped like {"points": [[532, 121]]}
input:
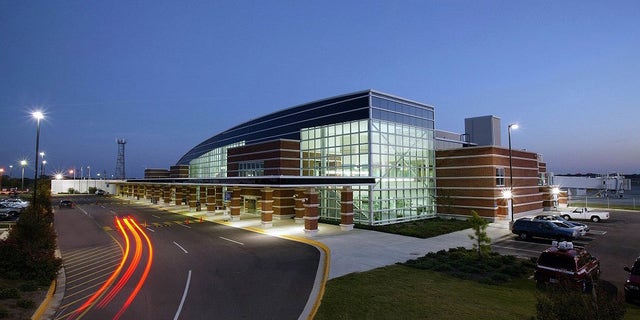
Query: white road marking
{"points": [[151, 230], [179, 246], [184, 296], [153, 215], [240, 243], [517, 249]]}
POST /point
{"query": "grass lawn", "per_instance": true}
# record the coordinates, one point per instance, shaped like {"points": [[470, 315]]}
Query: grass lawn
{"points": [[422, 228], [400, 292]]}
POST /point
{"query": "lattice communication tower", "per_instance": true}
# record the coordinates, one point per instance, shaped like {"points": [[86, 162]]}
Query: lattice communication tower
{"points": [[120, 163]]}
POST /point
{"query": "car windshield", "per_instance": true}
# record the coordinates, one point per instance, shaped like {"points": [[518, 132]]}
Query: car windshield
{"points": [[557, 262]]}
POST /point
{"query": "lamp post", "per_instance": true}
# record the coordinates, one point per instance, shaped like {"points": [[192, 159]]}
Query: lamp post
{"points": [[23, 163], [511, 126], [506, 194], [73, 172], [10, 169], [42, 163], [38, 116], [1, 173]]}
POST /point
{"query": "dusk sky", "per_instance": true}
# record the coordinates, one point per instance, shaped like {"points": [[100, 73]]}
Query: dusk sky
{"points": [[166, 75]]}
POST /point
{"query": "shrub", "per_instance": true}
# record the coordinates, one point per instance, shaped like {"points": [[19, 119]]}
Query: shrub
{"points": [[9, 293], [561, 302], [25, 303], [28, 286]]}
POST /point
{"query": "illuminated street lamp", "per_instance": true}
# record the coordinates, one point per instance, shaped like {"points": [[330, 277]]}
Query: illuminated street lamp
{"points": [[23, 163], [1, 173], [73, 173], [43, 162], [513, 126], [555, 191], [38, 116], [506, 194]]}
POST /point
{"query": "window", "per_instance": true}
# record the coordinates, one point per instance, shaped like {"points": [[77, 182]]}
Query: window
{"points": [[251, 169], [500, 177]]}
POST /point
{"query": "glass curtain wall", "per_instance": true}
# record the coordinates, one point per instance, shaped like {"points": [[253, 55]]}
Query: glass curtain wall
{"points": [[211, 164], [401, 156]]}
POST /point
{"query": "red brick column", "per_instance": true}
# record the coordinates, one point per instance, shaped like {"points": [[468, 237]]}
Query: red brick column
{"points": [[211, 199], [166, 195], [311, 212], [235, 204], [267, 207], [300, 198], [179, 195], [192, 198], [346, 209], [157, 192], [148, 193]]}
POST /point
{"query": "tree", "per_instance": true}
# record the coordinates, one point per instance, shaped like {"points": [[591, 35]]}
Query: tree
{"points": [[29, 251], [483, 242]]}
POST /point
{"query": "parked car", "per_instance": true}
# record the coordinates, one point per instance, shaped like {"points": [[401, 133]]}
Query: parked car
{"points": [[9, 213], [567, 264], [554, 217], [65, 204], [585, 214], [632, 285], [101, 192], [526, 228], [15, 202]]}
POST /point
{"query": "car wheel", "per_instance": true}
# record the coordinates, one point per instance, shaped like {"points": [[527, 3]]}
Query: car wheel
{"points": [[567, 217], [523, 236], [595, 219]]}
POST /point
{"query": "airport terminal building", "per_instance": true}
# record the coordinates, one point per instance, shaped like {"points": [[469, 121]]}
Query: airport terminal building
{"points": [[362, 158]]}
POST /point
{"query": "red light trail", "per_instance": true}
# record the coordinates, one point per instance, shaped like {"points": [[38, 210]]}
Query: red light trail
{"points": [[99, 297]]}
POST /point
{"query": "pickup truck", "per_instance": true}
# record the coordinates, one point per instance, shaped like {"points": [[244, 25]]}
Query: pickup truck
{"points": [[585, 214]]}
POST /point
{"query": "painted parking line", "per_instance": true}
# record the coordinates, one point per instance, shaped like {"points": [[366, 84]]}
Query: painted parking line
{"points": [[516, 249], [597, 232]]}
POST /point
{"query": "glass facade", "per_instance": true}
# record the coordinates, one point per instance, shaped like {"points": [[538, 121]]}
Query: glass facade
{"points": [[212, 164], [399, 154], [364, 134]]}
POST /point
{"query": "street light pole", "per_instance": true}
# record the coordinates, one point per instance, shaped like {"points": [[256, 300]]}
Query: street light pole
{"points": [[38, 116], [23, 163], [514, 126], [42, 163]]}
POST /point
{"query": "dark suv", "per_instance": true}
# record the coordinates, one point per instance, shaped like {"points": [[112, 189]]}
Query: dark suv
{"points": [[528, 227], [564, 263], [632, 285]]}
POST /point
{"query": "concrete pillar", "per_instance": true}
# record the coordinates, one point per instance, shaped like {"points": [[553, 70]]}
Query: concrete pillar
{"points": [[267, 207], [235, 204], [299, 197], [346, 209], [311, 212]]}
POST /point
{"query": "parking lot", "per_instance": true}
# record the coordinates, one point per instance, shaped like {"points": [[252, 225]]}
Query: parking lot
{"points": [[616, 242]]}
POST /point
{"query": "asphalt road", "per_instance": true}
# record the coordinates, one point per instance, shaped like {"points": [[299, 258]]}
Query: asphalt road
{"points": [[197, 270], [616, 242]]}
